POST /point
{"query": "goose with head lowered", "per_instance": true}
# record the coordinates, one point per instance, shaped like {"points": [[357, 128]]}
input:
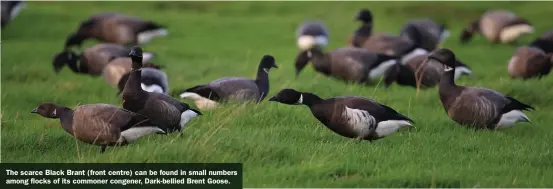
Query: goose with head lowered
{"points": [[93, 60], [232, 88], [166, 112], [425, 32], [349, 116], [119, 67], [100, 124], [531, 61], [116, 28], [479, 108], [498, 26], [312, 34], [347, 64], [382, 43], [416, 70]]}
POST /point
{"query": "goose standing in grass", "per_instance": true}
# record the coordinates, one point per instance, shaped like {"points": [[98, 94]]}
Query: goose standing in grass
{"points": [[118, 67], [93, 60], [480, 108], [116, 28], [312, 34], [233, 88], [166, 112], [10, 10], [498, 26], [99, 124], [416, 70], [347, 64], [348, 116], [425, 32], [387, 44], [152, 80]]}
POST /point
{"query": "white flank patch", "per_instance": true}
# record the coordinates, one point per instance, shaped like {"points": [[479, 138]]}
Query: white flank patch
{"points": [[360, 121], [265, 70], [381, 69], [200, 101], [413, 54], [186, 116], [385, 128], [147, 56], [306, 42], [17, 9], [147, 36], [447, 68], [300, 101], [510, 33], [445, 35], [510, 118], [152, 88], [460, 70], [134, 133]]}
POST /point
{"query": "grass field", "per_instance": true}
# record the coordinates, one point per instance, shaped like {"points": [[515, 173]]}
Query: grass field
{"points": [[282, 146]]}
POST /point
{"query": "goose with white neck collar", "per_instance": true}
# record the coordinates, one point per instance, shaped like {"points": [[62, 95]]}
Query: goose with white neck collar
{"points": [[480, 108], [232, 88], [349, 116]]}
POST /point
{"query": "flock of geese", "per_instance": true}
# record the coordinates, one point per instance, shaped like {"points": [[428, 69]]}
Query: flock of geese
{"points": [[412, 59]]}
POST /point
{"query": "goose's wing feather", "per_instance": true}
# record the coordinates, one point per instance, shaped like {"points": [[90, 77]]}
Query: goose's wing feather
{"points": [[235, 88], [379, 111]]}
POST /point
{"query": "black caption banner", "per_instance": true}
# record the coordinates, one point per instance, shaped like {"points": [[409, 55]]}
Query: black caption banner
{"points": [[117, 175]]}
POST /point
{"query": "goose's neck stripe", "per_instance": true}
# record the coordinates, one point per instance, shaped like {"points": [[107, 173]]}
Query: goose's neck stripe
{"points": [[447, 68], [300, 101]]}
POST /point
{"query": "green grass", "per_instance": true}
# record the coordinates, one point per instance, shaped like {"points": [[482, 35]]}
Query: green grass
{"points": [[282, 146]]}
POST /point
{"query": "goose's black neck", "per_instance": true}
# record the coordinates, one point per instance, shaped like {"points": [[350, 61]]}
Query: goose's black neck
{"points": [[310, 99], [364, 30], [262, 81], [66, 118]]}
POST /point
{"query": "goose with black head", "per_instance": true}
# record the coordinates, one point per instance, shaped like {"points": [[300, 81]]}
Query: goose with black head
{"points": [[480, 108], [166, 112], [349, 116], [237, 89], [100, 124]]}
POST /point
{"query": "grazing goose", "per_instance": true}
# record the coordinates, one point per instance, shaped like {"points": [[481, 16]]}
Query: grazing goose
{"points": [[99, 124], [116, 28], [120, 66], [348, 64], [348, 116], [387, 44], [498, 26], [425, 32], [152, 80], [417, 68], [312, 34], [93, 60], [544, 42], [480, 108], [10, 10], [166, 112], [233, 88], [530, 62]]}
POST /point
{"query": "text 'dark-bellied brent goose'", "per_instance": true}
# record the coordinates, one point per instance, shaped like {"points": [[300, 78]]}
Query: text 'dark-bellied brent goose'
{"points": [[387, 44], [152, 80], [312, 34], [116, 28], [119, 67], [232, 88], [166, 112], [10, 10], [347, 64], [416, 70], [100, 124], [93, 60], [530, 62], [479, 108], [425, 32], [498, 26], [348, 116]]}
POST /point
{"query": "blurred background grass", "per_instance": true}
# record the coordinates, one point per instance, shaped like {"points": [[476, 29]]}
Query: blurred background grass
{"points": [[281, 146]]}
